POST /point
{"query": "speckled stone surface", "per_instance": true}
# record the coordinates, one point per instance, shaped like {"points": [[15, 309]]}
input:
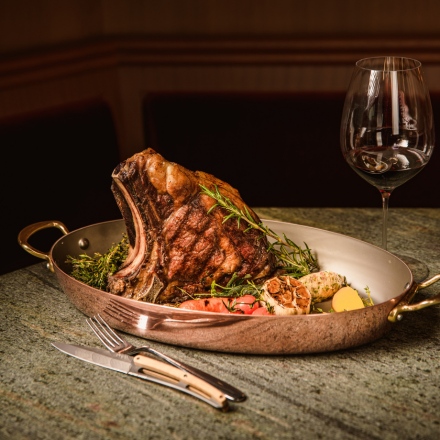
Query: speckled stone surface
{"points": [[389, 389]]}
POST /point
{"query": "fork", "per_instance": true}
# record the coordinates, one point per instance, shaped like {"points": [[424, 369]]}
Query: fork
{"points": [[115, 343]]}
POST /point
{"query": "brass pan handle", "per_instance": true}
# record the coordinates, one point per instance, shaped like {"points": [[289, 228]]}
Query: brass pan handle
{"points": [[28, 231], [405, 306]]}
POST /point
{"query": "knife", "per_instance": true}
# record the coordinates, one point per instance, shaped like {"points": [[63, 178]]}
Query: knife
{"points": [[149, 369]]}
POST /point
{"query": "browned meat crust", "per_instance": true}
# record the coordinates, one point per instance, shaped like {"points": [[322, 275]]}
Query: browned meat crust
{"points": [[176, 248]]}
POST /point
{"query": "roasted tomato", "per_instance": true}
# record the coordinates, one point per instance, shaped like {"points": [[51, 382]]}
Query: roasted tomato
{"points": [[262, 311], [245, 305], [218, 305]]}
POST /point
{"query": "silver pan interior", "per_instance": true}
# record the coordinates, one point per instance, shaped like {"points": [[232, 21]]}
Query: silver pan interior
{"points": [[363, 264]]}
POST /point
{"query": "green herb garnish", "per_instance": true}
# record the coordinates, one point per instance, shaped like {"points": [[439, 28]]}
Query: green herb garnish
{"points": [[235, 288], [367, 301], [296, 261], [94, 270]]}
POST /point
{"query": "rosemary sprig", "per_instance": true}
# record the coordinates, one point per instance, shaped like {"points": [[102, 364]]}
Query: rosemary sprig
{"points": [[94, 270], [369, 300], [236, 287], [293, 259]]}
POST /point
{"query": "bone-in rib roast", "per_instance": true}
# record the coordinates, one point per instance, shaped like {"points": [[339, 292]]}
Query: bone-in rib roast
{"points": [[176, 247]]}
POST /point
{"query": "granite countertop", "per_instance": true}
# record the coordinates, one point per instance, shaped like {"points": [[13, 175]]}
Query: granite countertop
{"points": [[388, 389]]}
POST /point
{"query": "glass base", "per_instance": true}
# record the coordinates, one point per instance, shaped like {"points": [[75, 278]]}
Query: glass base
{"points": [[418, 268]]}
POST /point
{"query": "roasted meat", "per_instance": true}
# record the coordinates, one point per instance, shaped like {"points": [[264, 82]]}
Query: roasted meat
{"points": [[176, 247]]}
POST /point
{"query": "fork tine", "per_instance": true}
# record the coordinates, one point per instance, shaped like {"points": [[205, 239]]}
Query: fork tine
{"points": [[101, 330], [94, 326], [109, 331]]}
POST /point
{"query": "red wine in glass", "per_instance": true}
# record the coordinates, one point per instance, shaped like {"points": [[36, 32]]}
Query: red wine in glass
{"points": [[387, 128], [387, 167]]}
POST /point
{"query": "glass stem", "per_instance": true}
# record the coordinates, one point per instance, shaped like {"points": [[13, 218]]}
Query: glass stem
{"points": [[385, 200]]}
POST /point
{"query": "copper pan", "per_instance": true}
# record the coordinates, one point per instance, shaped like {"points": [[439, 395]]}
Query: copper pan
{"points": [[390, 281]]}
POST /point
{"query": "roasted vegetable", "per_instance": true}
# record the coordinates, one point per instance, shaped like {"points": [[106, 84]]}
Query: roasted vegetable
{"points": [[286, 296], [347, 299], [322, 285]]}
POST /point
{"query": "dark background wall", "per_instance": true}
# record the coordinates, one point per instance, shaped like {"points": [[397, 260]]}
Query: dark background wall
{"points": [[277, 149], [57, 166], [250, 91]]}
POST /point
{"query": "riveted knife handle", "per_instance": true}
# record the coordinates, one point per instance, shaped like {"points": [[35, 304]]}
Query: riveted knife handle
{"points": [[182, 380]]}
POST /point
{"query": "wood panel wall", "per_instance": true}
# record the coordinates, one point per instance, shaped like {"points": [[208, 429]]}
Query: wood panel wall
{"points": [[60, 56], [56, 53]]}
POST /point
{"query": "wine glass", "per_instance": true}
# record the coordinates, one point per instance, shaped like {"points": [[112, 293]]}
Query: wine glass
{"points": [[387, 128]]}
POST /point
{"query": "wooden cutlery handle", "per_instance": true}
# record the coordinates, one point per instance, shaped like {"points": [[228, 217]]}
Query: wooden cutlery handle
{"points": [[175, 375]]}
